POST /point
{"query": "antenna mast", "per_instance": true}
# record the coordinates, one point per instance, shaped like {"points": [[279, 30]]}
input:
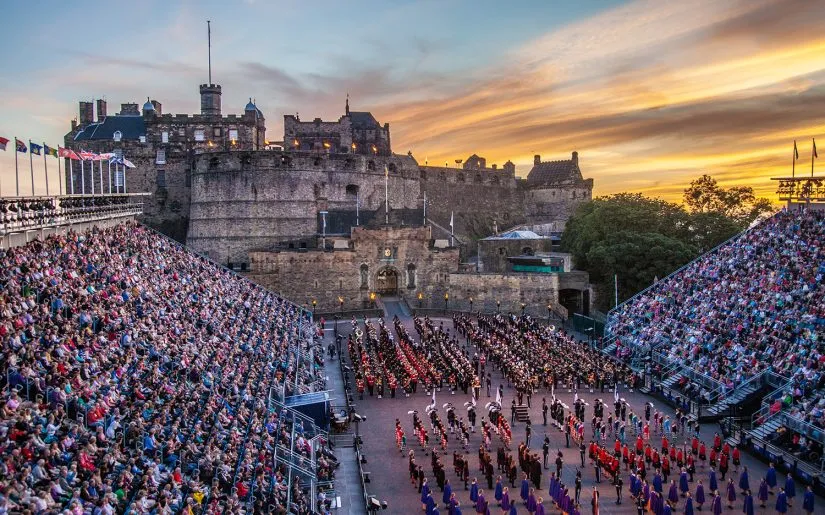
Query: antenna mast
{"points": [[209, 39]]}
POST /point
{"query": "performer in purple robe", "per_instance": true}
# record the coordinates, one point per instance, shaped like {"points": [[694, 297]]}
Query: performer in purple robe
{"points": [[657, 483], [429, 503], [425, 491], [716, 504], [525, 488], [448, 491], [770, 477], [689, 505], [762, 494], [713, 484], [673, 494], [505, 499], [700, 495], [513, 510], [782, 502], [539, 506], [731, 493], [747, 507], [808, 500], [499, 490], [474, 491], [481, 503], [790, 489], [531, 501], [744, 481], [683, 482]]}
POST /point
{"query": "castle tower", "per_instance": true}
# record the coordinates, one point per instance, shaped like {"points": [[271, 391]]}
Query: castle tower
{"points": [[210, 99]]}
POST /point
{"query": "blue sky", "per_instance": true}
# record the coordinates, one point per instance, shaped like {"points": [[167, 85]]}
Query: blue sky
{"points": [[650, 93]]}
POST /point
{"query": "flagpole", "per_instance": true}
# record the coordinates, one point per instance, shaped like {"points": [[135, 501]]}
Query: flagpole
{"points": [[357, 209], [425, 208], [110, 176], [386, 195], [71, 175], [31, 165], [100, 169], [793, 160], [46, 169], [813, 155], [16, 170], [82, 177], [123, 171], [59, 174]]}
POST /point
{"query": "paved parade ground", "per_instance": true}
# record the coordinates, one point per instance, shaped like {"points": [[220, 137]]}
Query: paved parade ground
{"points": [[388, 467]]}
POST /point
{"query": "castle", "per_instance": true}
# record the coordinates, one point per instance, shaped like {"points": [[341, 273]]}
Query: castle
{"points": [[330, 200]]}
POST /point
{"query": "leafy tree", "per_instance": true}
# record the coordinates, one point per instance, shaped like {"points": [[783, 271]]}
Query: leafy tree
{"points": [[704, 195]]}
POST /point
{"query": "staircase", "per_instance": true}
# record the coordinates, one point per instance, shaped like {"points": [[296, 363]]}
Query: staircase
{"points": [[610, 349], [762, 432], [671, 381], [726, 401], [522, 413]]}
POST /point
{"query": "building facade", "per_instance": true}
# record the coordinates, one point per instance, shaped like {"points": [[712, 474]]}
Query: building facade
{"points": [[162, 147]]}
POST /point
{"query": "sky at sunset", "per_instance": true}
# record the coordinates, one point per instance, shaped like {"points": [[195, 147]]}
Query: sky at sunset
{"points": [[650, 93]]}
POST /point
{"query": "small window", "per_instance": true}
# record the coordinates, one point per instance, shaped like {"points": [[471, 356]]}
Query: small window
{"points": [[182, 133], [117, 136], [161, 179], [142, 139], [161, 157], [233, 134], [118, 152], [501, 251], [199, 135], [216, 132], [411, 276], [164, 137]]}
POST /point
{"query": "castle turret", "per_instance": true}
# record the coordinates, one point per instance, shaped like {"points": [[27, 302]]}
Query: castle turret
{"points": [[87, 113], [536, 159], [575, 158], [210, 99], [101, 109]]}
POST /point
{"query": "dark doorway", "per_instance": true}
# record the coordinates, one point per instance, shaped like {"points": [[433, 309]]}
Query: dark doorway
{"points": [[387, 281], [576, 301]]}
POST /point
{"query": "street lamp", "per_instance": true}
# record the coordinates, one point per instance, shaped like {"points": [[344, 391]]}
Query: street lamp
{"points": [[471, 304], [372, 299], [314, 304], [549, 310], [341, 304], [523, 305], [498, 306], [446, 300], [420, 298]]}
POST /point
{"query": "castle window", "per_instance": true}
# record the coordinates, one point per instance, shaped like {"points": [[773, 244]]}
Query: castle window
{"points": [[478, 178], [423, 175], [460, 177], [495, 180], [233, 134], [411, 276], [117, 136], [199, 135], [246, 163], [392, 168], [527, 251], [160, 158], [217, 132], [371, 165], [501, 251], [142, 138], [442, 176], [164, 137], [182, 133], [160, 179], [365, 273], [213, 163]]}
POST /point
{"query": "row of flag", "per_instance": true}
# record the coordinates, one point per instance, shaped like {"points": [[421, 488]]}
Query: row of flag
{"points": [[67, 153]]}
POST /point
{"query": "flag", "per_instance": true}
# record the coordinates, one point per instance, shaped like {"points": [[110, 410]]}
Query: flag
{"points": [[20, 146], [616, 391], [35, 148], [87, 156], [433, 395], [107, 156], [125, 162], [498, 395], [67, 153], [49, 150], [795, 151], [474, 399], [451, 221], [386, 171], [815, 154], [3, 142]]}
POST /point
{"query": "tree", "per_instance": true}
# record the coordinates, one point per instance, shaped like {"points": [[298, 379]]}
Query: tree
{"points": [[704, 195]]}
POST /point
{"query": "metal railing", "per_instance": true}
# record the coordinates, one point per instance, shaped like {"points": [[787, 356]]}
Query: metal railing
{"points": [[19, 214]]}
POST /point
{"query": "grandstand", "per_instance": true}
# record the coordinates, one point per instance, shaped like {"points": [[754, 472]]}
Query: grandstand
{"points": [[737, 335], [138, 376]]}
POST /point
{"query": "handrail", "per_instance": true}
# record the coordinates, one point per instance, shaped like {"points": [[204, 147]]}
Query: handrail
{"points": [[681, 268]]}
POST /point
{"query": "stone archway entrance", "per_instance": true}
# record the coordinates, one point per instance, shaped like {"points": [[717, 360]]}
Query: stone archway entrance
{"points": [[387, 281]]}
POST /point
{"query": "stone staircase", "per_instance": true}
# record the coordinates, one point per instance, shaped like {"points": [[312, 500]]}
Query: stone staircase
{"points": [[522, 413]]}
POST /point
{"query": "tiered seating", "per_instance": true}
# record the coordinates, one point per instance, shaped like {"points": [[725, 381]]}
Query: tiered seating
{"points": [[753, 304], [136, 377]]}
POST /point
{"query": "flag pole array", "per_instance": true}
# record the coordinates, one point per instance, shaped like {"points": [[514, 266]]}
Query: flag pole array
{"points": [[33, 149]]}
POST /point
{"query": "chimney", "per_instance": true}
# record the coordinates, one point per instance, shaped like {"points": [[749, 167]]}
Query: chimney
{"points": [[157, 105], [129, 108], [87, 113], [495, 167], [101, 109], [536, 159], [575, 158]]}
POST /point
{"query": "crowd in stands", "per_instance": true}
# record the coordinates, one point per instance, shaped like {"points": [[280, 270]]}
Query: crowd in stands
{"points": [[754, 303], [135, 377]]}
